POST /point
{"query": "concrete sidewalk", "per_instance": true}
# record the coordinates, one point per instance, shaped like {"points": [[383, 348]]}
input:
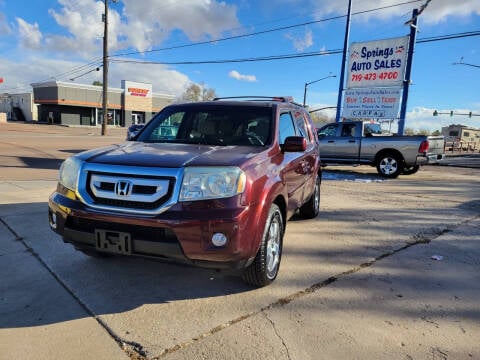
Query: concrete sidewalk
{"points": [[404, 306], [39, 318]]}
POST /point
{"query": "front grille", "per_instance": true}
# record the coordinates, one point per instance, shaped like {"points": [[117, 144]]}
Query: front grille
{"points": [[129, 191]]}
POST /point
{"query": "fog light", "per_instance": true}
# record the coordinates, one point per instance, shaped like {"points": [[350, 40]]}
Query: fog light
{"points": [[219, 239], [53, 220]]}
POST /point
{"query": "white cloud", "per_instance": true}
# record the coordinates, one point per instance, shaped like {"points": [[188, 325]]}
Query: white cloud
{"points": [[422, 118], [436, 11], [82, 20], [150, 22], [30, 35], [302, 43], [162, 78], [35, 69], [139, 25], [236, 75], [142, 25]]}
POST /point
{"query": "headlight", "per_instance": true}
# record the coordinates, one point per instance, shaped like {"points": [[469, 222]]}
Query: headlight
{"points": [[201, 183], [69, 171]]}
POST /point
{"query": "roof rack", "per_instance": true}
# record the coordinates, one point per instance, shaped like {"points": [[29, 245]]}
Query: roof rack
{"points": [[288, 99]]}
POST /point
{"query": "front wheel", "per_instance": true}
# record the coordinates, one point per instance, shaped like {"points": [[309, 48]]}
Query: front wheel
{"points": [[389, 165], [264, 268]]}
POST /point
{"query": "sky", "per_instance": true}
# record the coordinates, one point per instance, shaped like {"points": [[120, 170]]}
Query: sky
{"points": [[151, 41]]}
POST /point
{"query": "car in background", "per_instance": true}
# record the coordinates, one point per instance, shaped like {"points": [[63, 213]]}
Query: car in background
{"points": [[133, 130], [359, 142]]}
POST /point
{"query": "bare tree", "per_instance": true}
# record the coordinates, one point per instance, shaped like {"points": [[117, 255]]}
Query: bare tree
{"points": [[198, 92], [320, 119]]}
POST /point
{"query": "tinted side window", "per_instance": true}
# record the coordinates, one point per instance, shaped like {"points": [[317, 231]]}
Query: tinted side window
{"points": [[348, 130], [286, 127], [302, 126], [330, 130]]}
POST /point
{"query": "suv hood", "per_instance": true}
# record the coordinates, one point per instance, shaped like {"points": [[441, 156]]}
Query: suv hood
{"points": [[171, 155]]}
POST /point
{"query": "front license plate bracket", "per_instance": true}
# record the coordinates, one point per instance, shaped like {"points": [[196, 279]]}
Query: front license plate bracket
{"points": [[113, 242]]}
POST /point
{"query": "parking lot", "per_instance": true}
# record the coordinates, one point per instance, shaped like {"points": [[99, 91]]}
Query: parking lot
{"points": [[389, 269]]}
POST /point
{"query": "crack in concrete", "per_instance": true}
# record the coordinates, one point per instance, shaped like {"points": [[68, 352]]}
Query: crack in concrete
{"points": [[136, 351], [17, 237], [131, 348], [278, 334], [423, 237]]}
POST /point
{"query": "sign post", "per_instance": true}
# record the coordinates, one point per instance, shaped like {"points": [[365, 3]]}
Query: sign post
{"points": [[406, 84]]}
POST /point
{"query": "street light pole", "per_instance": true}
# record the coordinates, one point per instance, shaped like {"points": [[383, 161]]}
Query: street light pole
{"points": [[462, 63], [312, 82]]}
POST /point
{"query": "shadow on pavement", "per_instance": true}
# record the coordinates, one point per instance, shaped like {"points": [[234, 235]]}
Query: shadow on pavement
{"points": [[38, 258]]}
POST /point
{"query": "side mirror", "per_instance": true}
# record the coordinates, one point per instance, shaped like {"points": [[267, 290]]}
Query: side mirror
{"points": [[295, 144]]}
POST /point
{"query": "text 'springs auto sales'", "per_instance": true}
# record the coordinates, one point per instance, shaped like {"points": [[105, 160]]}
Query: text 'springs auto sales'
{"points": [[379, 63]]}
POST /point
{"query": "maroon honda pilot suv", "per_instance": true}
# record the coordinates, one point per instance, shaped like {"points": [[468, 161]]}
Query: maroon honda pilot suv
{"points": [[207, 183]]}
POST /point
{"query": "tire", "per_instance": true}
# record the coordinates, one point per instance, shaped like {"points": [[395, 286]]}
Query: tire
{"points": [[389, 165], [410, 170], [311, 208], [264, 268]]}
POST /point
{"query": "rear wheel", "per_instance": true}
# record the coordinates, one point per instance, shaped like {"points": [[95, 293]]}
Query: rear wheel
{"points": [[389, 165], [410, 170], [310, 209], [264, 269]]}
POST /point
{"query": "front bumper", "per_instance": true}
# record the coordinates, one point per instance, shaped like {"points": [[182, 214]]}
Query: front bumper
{"points": [[183, 233]]}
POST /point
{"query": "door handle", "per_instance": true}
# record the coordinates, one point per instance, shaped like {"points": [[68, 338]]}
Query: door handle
{"points": [[331, 141], [351, 141]]}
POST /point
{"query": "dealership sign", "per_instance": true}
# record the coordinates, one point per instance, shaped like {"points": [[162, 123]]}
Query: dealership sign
{"points": [[376, 103], [377, 63]]}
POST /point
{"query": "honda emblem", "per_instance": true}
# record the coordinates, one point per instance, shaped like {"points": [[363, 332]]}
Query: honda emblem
{"points": [[123, 188]]}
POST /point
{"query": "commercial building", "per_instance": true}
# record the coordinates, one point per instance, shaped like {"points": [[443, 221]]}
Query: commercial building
{"points": [[18, 107], [461, 137], [79, 104]]}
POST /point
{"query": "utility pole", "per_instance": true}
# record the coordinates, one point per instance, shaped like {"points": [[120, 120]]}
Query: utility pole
{"points": [[344, 59], [105, 70], [408, 70]]}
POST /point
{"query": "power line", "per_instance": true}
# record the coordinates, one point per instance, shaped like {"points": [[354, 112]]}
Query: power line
{"points": [[449, 36], [225, 61], [265, 31], [284, 56], [97, 61]]}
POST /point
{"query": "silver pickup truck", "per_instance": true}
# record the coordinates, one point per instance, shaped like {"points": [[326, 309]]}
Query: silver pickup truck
{"points": [[357, 142]]}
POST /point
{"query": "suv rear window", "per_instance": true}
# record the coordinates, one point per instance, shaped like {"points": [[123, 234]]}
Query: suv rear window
{"points": [[211, 125]]}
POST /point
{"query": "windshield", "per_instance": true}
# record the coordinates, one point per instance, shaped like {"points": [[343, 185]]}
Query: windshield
{"points": [[210, 125], [372, 129]]}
